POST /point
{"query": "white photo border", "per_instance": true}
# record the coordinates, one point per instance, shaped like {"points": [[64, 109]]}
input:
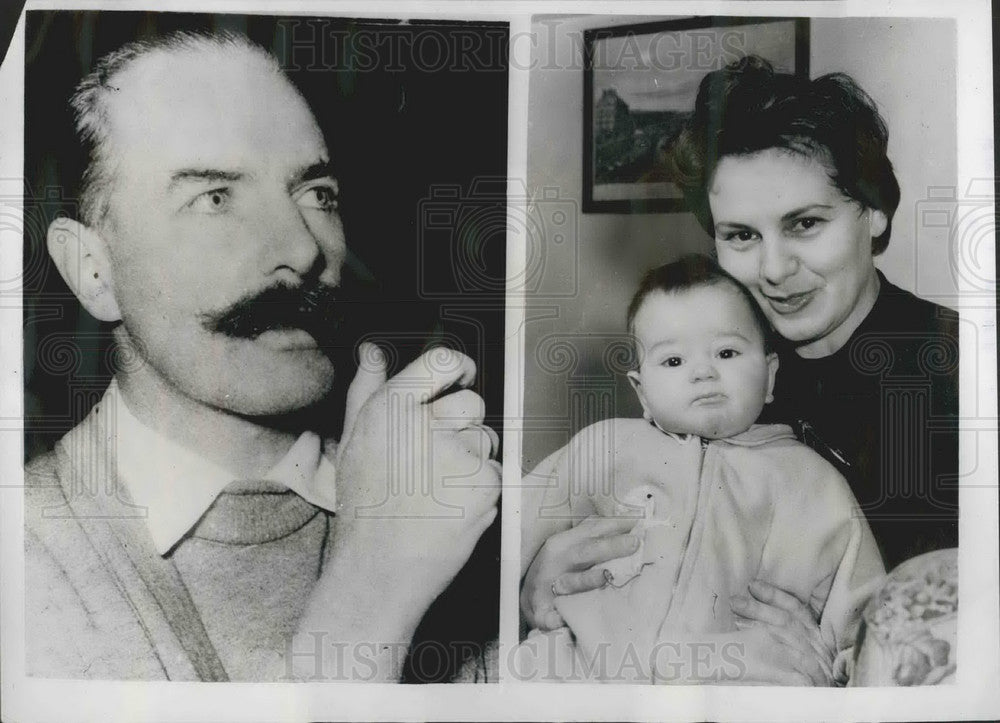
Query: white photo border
{"points": [[974, 695]]}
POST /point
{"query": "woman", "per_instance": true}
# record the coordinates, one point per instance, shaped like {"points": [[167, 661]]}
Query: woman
{"points": [[791, 178]]}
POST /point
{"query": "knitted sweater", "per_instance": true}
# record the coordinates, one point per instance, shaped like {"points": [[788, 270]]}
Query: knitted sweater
{"points": [[102, 603], [92, 611]]}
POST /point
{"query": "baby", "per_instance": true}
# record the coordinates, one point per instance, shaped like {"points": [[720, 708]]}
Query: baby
{"points": [[718, 501]]}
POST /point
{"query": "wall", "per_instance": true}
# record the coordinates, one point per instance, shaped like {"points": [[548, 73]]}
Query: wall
{"points": [[573, 373], [908, 66]]}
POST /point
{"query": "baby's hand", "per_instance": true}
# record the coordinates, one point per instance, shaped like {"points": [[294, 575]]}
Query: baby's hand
{"points": [[566, 564]]}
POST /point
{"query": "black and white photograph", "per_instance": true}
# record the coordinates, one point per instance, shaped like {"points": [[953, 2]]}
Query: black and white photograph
{"points": [[258, 446], [741, 443], [498, 361]]}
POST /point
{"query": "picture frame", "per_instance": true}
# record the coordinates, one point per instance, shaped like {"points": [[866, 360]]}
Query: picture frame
{"points": [[640, 83]]}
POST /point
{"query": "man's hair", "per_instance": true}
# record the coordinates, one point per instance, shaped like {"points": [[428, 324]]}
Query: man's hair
{"points": [[692, 271], [747, 107], [90, 104]]}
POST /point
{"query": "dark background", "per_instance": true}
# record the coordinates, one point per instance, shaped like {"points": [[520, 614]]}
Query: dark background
{"points": [[415, 116]]}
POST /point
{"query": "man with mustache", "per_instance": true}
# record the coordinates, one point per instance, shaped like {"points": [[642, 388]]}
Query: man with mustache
{"points": [[189, 528]]}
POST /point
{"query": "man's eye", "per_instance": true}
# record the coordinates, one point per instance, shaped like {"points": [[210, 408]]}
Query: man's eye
{"points": [[215, 201], [672, 361], [728, 353], [321, 197]]}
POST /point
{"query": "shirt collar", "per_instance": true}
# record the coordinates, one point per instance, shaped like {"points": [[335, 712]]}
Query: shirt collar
{"points": [[176, 486]]}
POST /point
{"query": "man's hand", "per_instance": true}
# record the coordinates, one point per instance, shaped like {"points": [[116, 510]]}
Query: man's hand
{"points": [[415, 477], [788, 621], [563, 565], [416, 488]]}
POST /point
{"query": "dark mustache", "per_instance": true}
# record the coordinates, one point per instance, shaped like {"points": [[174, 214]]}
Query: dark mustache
{"points": [[311, 307]]}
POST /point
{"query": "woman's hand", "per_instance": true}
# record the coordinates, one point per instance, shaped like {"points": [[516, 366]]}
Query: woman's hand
{"points": [[565, 565], [790, 623]]}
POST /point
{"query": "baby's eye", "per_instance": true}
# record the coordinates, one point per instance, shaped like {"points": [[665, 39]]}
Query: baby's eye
{"points": [[672, 361], [211, 202], [728, 353], [322, 197]]}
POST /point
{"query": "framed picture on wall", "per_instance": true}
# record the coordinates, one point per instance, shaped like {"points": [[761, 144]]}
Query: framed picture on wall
{"points": [[640, 84]]}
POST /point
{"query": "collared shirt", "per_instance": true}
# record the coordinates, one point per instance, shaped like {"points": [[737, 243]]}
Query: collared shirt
{"points": [[177, 485]]}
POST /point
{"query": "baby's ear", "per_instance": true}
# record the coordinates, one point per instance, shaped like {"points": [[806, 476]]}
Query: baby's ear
{"points": [[772, 372], [636, 381]]}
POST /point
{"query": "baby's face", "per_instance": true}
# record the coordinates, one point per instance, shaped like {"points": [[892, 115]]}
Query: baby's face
{"points": [[702, 366]]}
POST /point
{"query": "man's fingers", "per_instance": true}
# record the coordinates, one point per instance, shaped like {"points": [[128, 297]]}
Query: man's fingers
{"points": [[776, 597], [458, 410], [573, 582], [463, 411], [435, 371], [485, 520], [475, 490], [369, 379], [479, 440]]}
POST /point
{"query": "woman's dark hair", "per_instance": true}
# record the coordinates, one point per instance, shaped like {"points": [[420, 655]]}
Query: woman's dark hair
{"points": [[692, 271], [747, 107]]}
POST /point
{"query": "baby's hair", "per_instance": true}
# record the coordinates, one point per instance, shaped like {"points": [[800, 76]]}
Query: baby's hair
{"points": [[691, 272]]}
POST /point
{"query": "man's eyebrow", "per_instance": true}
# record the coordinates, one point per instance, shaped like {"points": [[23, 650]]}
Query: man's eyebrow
{"points": [[211, 175], [320, 169]]}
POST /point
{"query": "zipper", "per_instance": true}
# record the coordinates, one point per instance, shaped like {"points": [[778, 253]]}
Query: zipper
{"points": [[682, 562]]}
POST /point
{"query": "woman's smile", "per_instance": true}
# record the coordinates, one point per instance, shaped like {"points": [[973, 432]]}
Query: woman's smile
{"points": [[789, 303]]}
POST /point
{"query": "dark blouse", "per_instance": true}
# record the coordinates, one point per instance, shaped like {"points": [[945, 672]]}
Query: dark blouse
{"points": [[884, 410]]}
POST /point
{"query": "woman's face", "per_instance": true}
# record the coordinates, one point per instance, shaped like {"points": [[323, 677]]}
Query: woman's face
{"points": [[800, 246]]}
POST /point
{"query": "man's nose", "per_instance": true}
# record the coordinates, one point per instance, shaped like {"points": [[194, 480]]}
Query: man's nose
{"points": [[777, 261], [300, 245]]}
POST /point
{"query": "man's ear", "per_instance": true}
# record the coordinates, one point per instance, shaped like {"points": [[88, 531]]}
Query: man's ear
{"points": [[636, 382], [81, 256], [772, 372]]}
